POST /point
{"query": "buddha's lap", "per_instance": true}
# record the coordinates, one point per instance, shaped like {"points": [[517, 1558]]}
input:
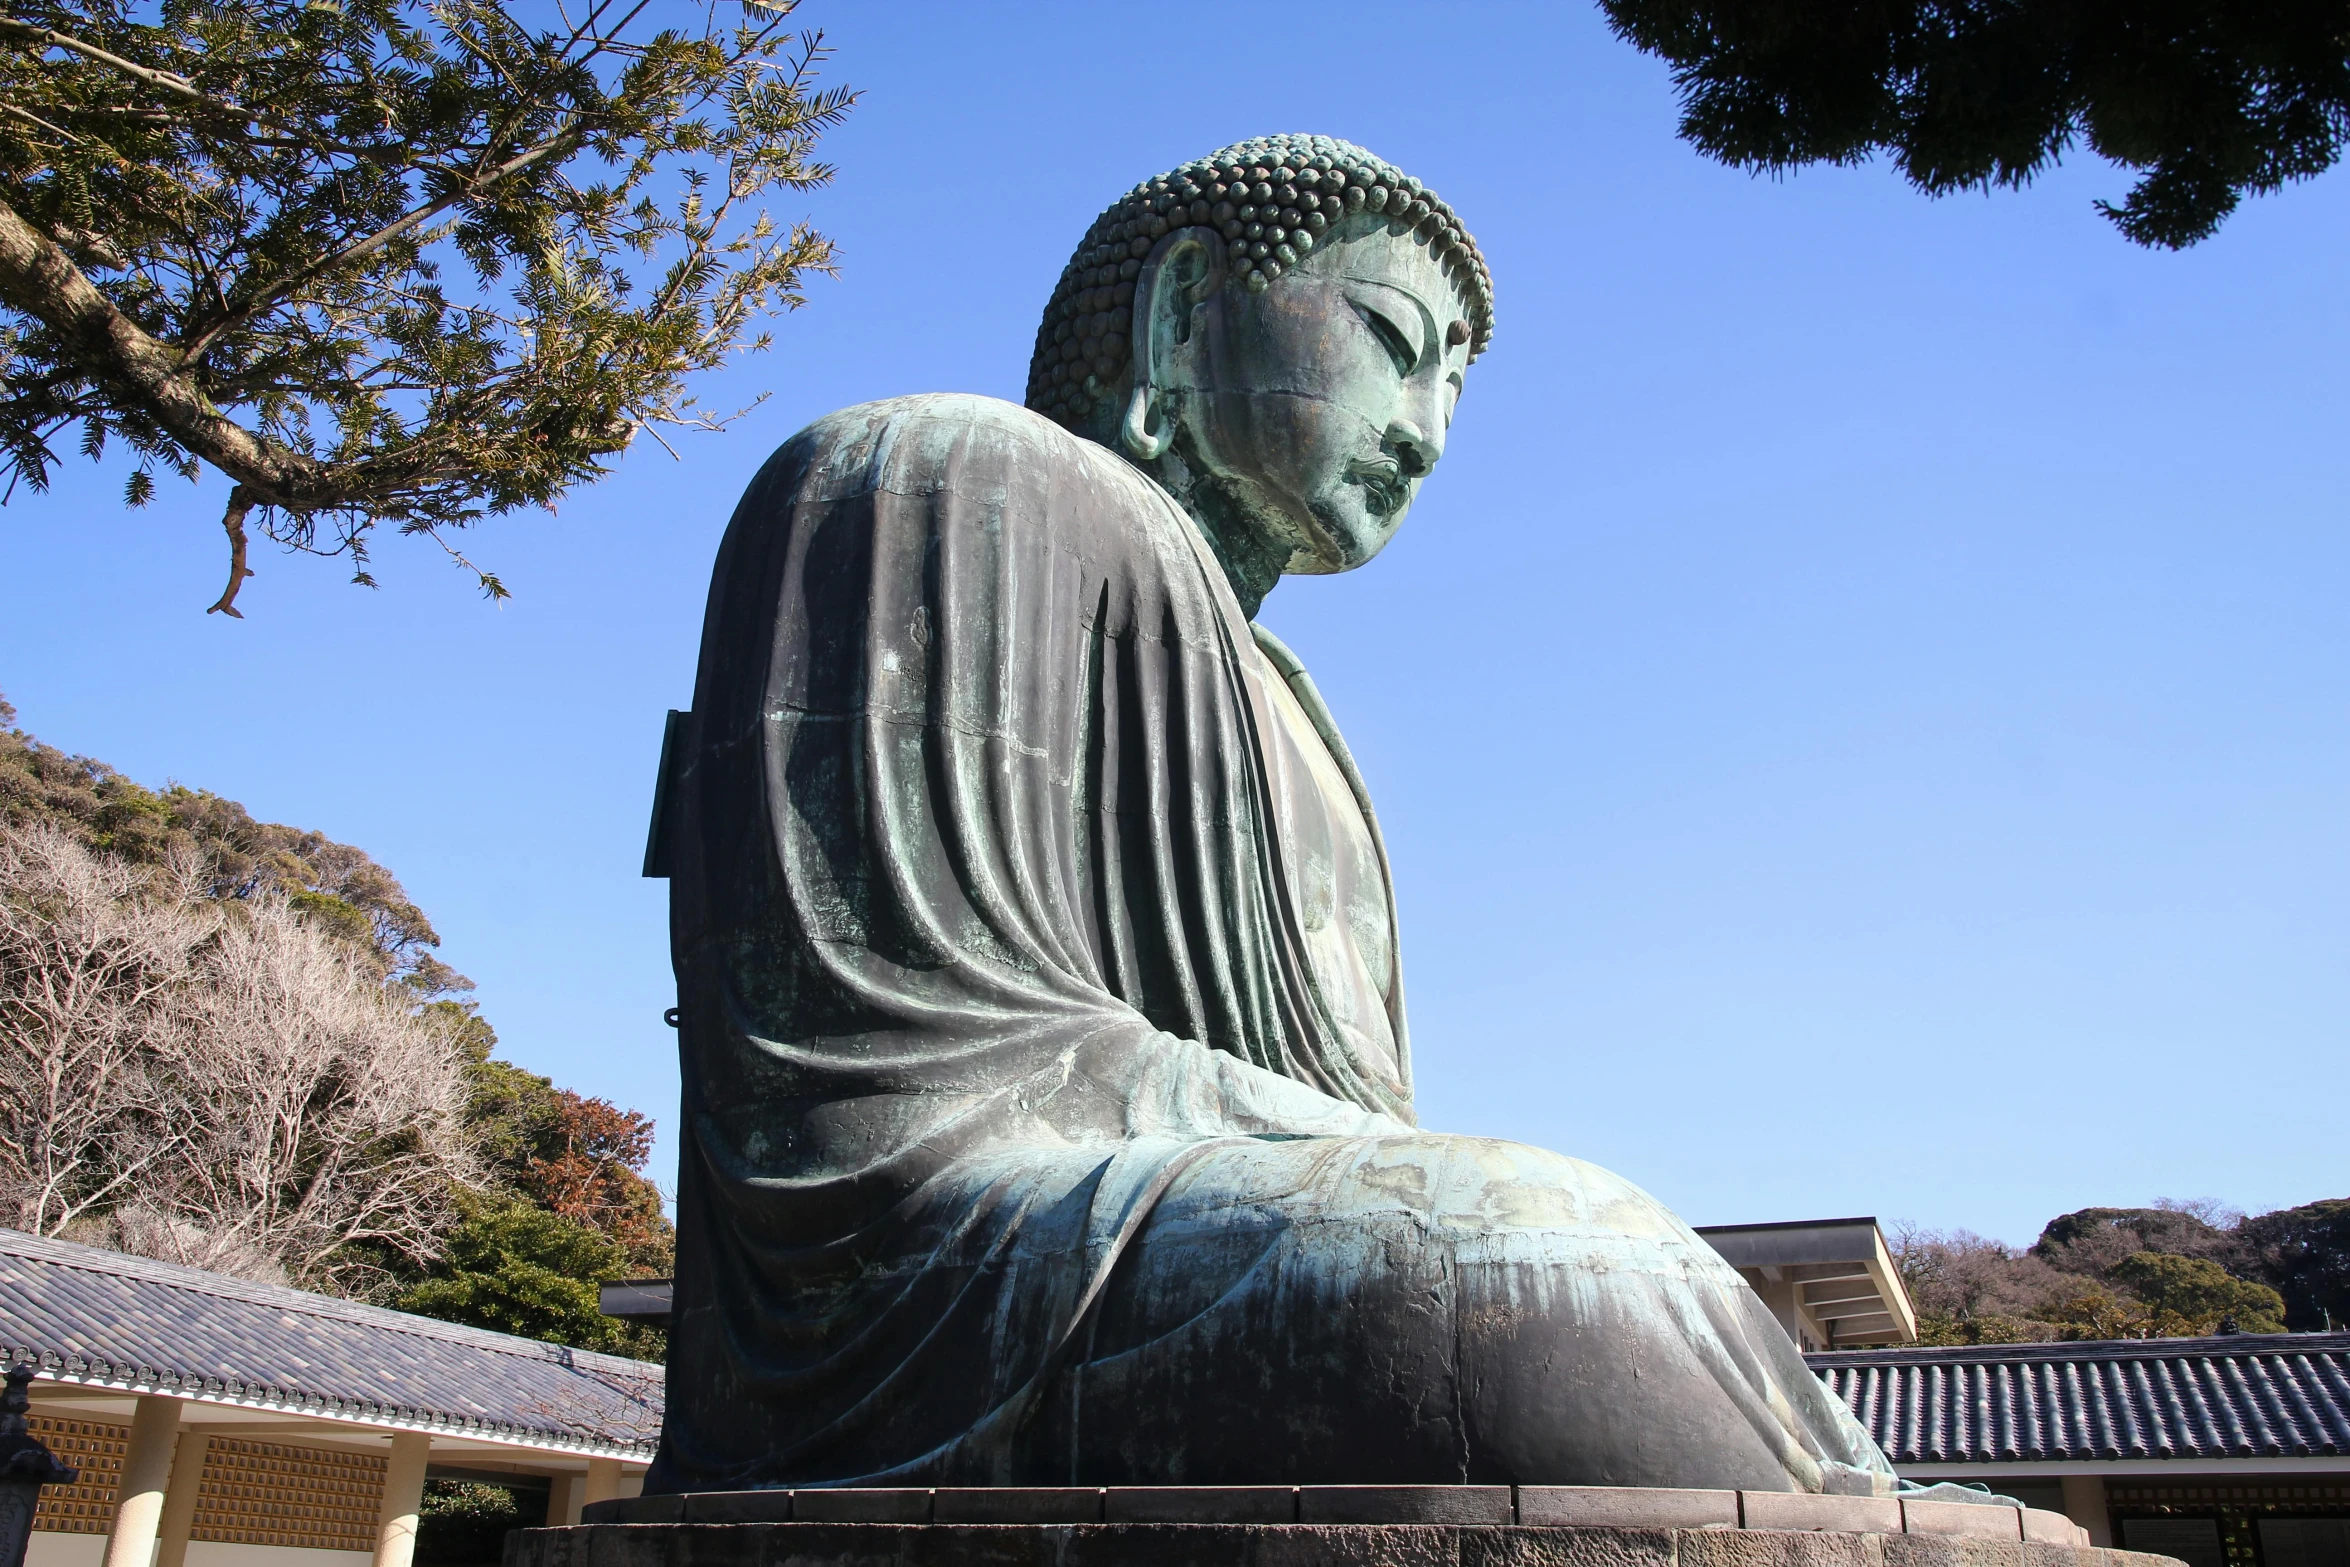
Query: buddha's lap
{"points": [[1495, 1231], [1580, 1334]]}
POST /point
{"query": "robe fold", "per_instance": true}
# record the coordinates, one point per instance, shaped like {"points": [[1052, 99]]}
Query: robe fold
{"points": [[1047, 1089]]}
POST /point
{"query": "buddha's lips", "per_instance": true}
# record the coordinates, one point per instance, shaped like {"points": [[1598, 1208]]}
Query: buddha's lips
{"points": [[1383, 485]]}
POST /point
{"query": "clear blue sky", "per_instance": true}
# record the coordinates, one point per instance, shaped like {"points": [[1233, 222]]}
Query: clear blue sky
{"points": [[1860, 713]]}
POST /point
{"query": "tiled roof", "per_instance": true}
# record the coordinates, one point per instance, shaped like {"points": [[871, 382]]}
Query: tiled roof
{"points": [[104, 1319], [2282, 1395]]}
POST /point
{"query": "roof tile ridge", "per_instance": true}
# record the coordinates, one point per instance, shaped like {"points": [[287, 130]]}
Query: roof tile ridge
{"points": [[65, 1366], [2237, 1346], [178, 1275]]}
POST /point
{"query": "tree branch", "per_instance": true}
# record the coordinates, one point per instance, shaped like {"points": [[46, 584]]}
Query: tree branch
{"points": [[39, 279], [240, 501], [566, 140], [50, 38], [168, 81], [33, 119]]}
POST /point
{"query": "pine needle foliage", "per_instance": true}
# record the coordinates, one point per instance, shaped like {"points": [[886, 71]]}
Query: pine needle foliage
{"points": [[2206, 103], [387, 261]]}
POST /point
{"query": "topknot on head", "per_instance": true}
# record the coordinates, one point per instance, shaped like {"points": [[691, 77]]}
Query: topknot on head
{"points": [[1272, 199]]}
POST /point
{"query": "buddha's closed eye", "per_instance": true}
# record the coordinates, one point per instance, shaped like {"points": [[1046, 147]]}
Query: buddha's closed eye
{"points": [[1391, 338]]}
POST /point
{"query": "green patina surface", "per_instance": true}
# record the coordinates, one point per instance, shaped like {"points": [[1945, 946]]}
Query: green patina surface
{"points": [[1048, 1089]]}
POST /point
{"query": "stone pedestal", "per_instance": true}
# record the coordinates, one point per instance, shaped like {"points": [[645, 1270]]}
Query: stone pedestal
{"points": [[1307, 1526]]}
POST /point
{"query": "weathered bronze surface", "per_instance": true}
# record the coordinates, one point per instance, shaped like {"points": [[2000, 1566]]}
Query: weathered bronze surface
{"points": [[1048, 1097]]}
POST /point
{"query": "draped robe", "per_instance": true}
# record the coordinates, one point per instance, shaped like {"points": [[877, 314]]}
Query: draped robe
{"points": [[1047, 1089]]}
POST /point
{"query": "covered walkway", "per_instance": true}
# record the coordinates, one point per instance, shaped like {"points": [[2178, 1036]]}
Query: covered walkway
{"points": [[219, 1421]]}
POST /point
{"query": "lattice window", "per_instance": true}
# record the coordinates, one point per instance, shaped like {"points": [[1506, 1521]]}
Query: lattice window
{"points": [[252, 1493], [274, 1493], [2235, 1517], [95, 1447], [2154, 1496]]}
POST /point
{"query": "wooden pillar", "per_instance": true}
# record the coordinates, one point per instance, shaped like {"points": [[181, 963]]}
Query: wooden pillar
{"points": [[564, 1499], [179, 1501], [146, 1475], [2084, 1504], [395, 1529], [603, 1480]]}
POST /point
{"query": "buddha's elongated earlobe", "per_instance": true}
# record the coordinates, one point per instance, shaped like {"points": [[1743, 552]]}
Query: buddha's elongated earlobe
{"points": [[1136, 432], [1182, 270]]}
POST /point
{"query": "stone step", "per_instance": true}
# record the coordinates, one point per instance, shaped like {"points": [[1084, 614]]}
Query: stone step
{"points": [[1628, 1507], [812, 1544]]}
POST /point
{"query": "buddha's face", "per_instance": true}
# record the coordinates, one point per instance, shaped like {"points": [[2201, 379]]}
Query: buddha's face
{"points": [[1320, 403]]}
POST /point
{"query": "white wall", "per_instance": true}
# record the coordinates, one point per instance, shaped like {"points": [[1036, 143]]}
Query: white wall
{"points": [[45, 1549], [88, 1550], [212, 1553]]}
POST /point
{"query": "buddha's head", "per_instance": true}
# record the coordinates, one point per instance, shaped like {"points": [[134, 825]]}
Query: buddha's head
{"points": [[1278, 333]]}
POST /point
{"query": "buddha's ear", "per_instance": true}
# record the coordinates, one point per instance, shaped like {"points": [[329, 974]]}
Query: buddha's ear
{"points": [[1182, 271]]}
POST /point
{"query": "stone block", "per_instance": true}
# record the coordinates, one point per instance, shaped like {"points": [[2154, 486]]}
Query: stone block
{"points": [[1017, 1504], [1311, 1545], [622, 1547], [738, 1507], [555, 1547], [1162, 1544], [2042, 1527], [1200, 1504], [1627, 1507], [629, 1545], [1927, 1550], [853, 1545], [1977, 1552], [1798, 1510], [1139, 1545], [2038, 1555], [804, 1543], [878, 1504], [634, 1509], [1375, 1504], [1977, 1520], [1772, 1548], [1565, 1547]]}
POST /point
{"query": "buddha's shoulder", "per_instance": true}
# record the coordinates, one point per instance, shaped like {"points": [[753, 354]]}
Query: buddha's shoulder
{"points": [[933, 437]]}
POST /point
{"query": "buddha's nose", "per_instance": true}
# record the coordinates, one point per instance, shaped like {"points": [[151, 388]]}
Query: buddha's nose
{"points": [[1415, 453]]}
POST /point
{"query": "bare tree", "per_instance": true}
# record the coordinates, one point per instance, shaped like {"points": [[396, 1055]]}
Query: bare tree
{"points": [[223, 1084], [320, 1110], [1960, 1276], [91, 950]]}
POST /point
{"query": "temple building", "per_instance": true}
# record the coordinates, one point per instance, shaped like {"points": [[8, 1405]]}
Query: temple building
{"points": [[2223, 1452], [218, 1421], [1830, 1282]]}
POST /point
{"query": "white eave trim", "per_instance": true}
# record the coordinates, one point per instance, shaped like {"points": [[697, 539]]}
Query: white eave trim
{"points": [[1886, 1275], [337, 1412]]}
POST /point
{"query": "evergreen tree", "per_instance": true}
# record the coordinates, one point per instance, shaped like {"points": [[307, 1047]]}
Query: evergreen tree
{"points": [[2305, 1253], [2206, 103], [385, 260]]}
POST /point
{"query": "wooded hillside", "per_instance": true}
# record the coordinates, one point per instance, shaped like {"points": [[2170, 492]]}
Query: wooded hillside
{"points": [[2175, 1270], [233, 1043]]}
